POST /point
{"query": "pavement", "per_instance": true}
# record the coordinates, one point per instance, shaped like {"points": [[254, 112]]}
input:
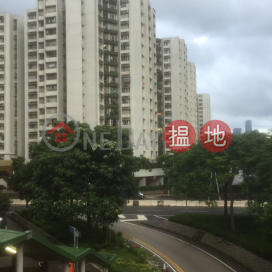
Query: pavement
{"points": [[181, 254]]}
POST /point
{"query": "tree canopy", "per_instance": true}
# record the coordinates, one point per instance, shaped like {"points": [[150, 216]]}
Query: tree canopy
{"points": [[79, 182]]}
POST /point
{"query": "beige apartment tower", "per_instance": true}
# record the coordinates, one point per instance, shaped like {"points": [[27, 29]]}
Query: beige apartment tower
{"points": [[11, 86], [204, 109], [45, 67], [111, 67], [177, 84]]}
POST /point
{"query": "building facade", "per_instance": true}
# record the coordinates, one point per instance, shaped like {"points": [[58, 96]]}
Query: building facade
{"points": [[248, 126], [204, 109], [177, 83], [111, 67], [11, 85], [237, 131], [45, 67]]}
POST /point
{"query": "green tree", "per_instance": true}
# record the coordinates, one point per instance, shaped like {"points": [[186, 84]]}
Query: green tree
{"points": [[5, 203], [87, 182]]}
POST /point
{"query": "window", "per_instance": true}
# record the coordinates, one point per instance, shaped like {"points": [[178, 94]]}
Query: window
{"points": [[51, 87], [124, 15], [41, 111], [51, 32], [32, 86], [125, 36], [42, 122], [41, 100], [32, 96], [41, 89], [51, 76], [51, 110], [32, 106], [124, 5], [51, 99], [51, 20], [124, 26], [32, 66], [125, 57], [32, 16], [41, 78], [126, 121], [51, 65], [51, 54], [125, 68], [125, 110], [125, 100], [51, 43], [125, 90], [51, 9], [124, 46]]}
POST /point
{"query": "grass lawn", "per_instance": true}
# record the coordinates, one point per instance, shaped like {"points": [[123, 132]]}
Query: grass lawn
{"points": [[246, 234]]}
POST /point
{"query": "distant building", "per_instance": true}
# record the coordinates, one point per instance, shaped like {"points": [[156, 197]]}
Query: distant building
{"points": [[203, 109], [237, 131], [248, 126], [11, 85]]}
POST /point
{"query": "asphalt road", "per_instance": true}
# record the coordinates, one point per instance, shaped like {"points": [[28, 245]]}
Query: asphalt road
{"points": [[185, 255]]}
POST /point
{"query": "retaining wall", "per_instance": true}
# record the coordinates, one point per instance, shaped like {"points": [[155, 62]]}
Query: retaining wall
{"points": [[181, 203], [241, 255]]}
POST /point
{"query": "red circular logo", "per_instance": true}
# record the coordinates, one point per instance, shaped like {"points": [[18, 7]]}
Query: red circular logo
{"points": [[215, 136], [179, 136]]}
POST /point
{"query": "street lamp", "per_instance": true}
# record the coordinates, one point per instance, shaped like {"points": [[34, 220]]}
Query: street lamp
{"points": [[171, 154]]}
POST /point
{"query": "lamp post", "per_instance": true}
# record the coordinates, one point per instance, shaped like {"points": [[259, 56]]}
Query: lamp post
{"points": [[171, 154]]}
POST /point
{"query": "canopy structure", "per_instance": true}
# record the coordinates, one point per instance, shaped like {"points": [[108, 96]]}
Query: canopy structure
{"points": [[32, 245]]}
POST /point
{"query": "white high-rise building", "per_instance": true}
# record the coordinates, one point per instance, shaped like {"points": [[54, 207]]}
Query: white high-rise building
{"points": [[178, 83], [45, 67], [11, 85], [85, 67], [204, 109], [111, 67]]}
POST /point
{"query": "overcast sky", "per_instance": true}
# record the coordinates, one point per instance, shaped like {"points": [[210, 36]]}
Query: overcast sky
{"points": [[230, 42]]}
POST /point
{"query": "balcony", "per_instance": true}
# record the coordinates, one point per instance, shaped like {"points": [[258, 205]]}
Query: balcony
{"points": [[111, 94], [111, 84], [116, 105], [112, 116], [113, 63], [115, 42], [115, 53], [110, 9], [109, 30], [107, 20], [111, 74]]}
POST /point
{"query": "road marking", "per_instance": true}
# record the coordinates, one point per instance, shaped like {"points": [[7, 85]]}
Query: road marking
{"points": [[140, 218], [160, 217], [121, 216], [185, 243], [169, 262], [214, 258]]}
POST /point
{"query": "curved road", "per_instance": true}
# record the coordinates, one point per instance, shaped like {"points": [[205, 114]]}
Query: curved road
{"points": [[189, 256]]}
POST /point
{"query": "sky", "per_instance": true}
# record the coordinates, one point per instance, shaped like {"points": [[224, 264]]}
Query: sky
{"points": [[230, 42]]}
